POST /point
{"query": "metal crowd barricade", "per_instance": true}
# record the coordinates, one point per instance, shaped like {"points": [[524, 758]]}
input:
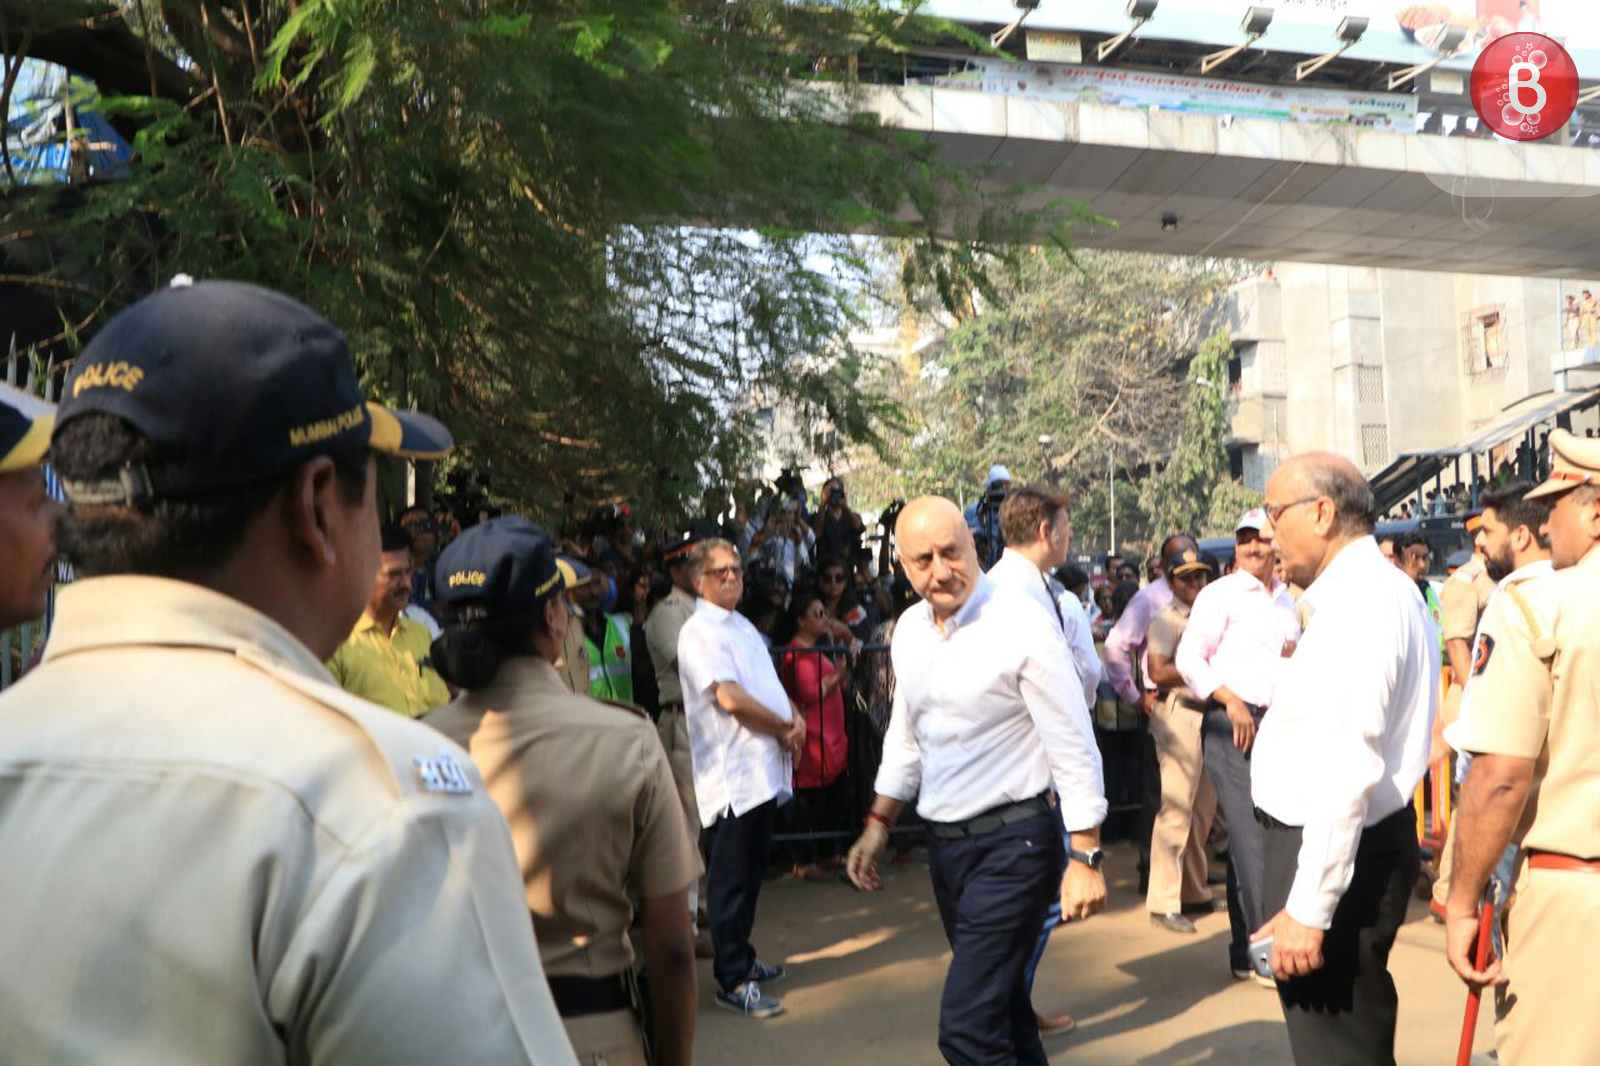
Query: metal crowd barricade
{"points": [[866, 696]]}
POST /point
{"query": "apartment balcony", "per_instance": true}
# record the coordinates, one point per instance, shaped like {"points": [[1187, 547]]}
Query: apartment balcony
{"points": [[1255, 310]]}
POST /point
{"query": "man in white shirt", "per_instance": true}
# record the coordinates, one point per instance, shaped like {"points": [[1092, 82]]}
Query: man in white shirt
{"points": [[1033, 521], [1240, 628], [987, 713], [1337, 758], [743, 737]]}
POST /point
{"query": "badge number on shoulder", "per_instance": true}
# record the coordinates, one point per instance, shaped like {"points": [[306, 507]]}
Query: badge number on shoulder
{"points": [[441, 773]]}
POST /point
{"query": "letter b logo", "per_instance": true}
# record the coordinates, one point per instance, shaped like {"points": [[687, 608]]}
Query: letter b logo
{"points": [[1524, 86], [1526, 76]]}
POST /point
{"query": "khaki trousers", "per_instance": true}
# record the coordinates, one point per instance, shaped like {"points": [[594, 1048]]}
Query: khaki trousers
{"points": [[674, 730], [1545, 1013], [1188, 802], [609, 1039]]}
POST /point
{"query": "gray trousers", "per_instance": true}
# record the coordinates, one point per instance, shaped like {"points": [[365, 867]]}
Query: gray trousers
{"points": [[1230, 776]]}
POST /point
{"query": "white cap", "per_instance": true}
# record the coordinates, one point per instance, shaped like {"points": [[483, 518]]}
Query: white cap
{"points": [[997, 472], [1255, 518]]}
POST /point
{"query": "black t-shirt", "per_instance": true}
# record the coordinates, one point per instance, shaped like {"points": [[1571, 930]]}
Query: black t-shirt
{"points": [[837, 538]]}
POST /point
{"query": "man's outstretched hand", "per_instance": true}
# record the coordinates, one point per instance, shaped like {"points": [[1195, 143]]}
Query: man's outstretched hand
{"points": [[862, 862]]}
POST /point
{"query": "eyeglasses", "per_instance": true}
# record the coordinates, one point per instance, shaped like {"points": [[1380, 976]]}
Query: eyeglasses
{"points": [[725, 573], [1276, 512]]}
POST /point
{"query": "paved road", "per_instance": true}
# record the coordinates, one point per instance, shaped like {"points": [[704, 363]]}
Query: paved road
{"points": [[865, 973]]}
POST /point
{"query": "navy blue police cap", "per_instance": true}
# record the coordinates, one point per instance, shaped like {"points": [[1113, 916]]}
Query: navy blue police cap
{"points": [[234, 384], [502, 568], [25, 426]]}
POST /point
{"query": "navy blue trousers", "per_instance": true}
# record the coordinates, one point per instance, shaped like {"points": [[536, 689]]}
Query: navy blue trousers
{"points": [[993, 891], [736, 863]]}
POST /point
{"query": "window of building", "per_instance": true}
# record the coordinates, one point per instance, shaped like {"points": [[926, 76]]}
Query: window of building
{"points": [[1374, 445], [1369, 384], [1484, 339]]}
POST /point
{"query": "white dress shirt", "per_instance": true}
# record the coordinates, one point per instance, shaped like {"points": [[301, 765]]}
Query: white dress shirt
{"points": [[987, 710], [1014, 571], [735, 769], [1079, 629], [1346, 739], [1127, 637], [1237, 629]]}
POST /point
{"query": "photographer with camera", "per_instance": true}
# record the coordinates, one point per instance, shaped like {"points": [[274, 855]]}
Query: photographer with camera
{"points": [[784, 542], [837, 528], [983, 516]]}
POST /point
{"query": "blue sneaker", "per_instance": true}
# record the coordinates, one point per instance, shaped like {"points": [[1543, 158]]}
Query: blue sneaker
{"points": [[748, 1000], [767, 975]]}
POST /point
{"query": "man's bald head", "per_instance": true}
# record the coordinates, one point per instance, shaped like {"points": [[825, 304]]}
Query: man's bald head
{"points": [[938, 553], [1325, 474], [1318, 502]]}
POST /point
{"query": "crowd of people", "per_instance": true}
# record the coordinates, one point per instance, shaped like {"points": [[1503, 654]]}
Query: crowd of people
{"points": [[558, 767]]}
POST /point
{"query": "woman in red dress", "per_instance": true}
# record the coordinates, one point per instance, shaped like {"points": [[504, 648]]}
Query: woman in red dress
{"points": [[815, 682]]}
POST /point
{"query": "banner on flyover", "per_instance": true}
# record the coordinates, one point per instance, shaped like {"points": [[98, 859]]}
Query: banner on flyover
{"points": [[1176, 92]]}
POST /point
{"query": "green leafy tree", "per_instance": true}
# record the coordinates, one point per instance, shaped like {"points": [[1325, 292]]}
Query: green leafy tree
{"points": [[1176, 496], [1074, 375], [579, 231]]}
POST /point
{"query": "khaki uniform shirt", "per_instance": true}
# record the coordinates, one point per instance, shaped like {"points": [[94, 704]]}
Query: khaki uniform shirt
{"points": [[593, 811], [573, 669], [393, 670], [1542, 690], [1462, 599], [213, 854], [661, 631], [1166, 630]]}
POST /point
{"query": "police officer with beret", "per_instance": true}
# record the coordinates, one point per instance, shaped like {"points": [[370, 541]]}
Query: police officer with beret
{"points": [[27, 513], [213, 854], [586, 788], [1535, 782]]}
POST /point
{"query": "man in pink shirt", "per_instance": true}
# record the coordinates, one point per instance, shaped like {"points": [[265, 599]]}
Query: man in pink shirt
{"points": [[1240, 628]]}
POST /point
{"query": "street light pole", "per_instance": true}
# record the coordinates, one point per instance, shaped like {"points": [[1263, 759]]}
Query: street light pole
{"points": [[1111, 501]]}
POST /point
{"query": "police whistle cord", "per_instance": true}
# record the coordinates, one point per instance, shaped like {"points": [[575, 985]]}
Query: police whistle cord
{"points": [[1480, 959]]}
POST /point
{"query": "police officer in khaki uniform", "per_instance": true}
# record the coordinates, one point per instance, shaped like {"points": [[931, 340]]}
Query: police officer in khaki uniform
{"points": [[661, 631], [573, 666], [213, 854], [1535, 781], [585, 787], [1188, 799], [27, 513]]}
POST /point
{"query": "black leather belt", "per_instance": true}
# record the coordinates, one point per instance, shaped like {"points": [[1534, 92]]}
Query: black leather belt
{"points": [[993, 819], [578, 996]]}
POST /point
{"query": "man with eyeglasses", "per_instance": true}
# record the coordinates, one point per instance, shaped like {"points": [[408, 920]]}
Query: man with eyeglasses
{"points": [[744, 735], [1338, 756]]}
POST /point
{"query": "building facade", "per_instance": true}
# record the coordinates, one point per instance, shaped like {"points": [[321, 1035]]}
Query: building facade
{"points": [[1372, 363]]}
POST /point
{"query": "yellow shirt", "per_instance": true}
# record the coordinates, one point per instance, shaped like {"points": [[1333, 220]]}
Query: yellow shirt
{"points": [[215, 855], [390, 669]]}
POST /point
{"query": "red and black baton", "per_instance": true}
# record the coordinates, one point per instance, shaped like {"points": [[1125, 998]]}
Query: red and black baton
{"points": [[1480, 959]]}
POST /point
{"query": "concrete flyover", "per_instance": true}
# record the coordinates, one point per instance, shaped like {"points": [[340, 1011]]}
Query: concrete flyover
{"points": [[1265, 189]]}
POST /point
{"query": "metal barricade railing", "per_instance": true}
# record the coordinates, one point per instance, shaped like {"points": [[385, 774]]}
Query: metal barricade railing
{"points": [[844, 739]]}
